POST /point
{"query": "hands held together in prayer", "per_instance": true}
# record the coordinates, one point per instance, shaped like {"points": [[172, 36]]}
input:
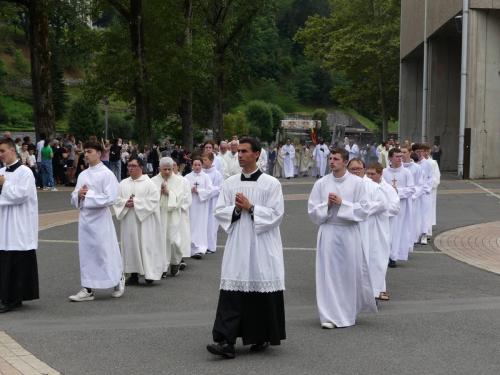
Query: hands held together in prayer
{"points": [[2, 180], [82, 192], [242, 202], [334, 199], [164, 189], [130, 202]]}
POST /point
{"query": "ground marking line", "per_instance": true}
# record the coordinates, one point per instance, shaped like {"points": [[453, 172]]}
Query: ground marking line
{"points": [[485, 189]]}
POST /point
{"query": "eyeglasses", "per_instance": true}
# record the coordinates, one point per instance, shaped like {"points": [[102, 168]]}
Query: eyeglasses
{"points": [[132, 166]]}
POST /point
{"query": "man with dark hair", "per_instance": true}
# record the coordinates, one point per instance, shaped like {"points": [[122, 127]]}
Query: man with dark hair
{"points": [[337, 204], [100, 259], [401, 179], [138, 210], [18, 230], [251, 305]]}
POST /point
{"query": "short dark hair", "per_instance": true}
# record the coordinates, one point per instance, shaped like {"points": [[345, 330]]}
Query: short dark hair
{"points": [[209, 142], [138, 160], [392, 151], [256, 147], [197, 157], [93, 145], [342, 152], [8, 141], [377, 166], [358, 160], [208, 155]]}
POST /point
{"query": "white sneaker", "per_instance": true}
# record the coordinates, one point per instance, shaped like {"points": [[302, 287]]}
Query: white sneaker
{"points": [[327, 325], [45, 188], [119, 289], [82, 295], [54, 189], [423, 240]]}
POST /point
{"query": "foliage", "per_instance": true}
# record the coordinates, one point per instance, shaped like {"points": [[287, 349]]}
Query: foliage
{"points": [[322, 115], [260, 119], [20, 64], [4, 116], [17, 114], [236, 123], [84, 120], [278, 115], [359, 41], [3, 74], [120, 126]]}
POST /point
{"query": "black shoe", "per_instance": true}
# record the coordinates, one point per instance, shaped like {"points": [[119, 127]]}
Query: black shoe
{"points": [[259, 347], [210, 252], [133, 279], [392, 263], [174, 269], [182, 265], [5, 307], [223, 349], [149, 282], [196, 256], [164, 275]]}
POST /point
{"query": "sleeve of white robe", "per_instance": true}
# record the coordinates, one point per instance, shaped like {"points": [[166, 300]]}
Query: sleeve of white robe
{"points": [[15, 194], [186, 198], [357, 210], [147, 205], [408, 190], [75, 202], [105, 199], [427, 177], [119, 206], [206, 192], [224, 209], [317, 206], [393, 202], [291, 152], [436, 175], [377, 203], [266, 218]]}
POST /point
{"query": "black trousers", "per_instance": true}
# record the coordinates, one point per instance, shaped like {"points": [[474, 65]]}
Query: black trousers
{"points": [[255, 317], [18, 276]]}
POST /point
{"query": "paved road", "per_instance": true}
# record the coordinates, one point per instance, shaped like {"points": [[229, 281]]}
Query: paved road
{"points": [[444, 317]]}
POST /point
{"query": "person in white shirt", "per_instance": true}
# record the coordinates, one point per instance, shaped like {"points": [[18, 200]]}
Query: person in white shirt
{"points": [[232, 166], [353, 149]]}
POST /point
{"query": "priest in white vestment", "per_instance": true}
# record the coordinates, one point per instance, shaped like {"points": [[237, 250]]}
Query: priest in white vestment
{"points": [[263, 161], [320, 155], [416, 172], [374, 235], [402, 180], [95, 193], [435, 184], [138, 210], [353, 149], [251, 305], [201, 190], [288, 152], [427, 183], [232, 165], [378, 260], [18, 230], [337, 204], [185, 225], [217, 180]]}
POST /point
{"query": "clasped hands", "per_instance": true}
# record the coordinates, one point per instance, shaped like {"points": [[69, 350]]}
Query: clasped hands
{"points": [[242, 202], [334, 199], [130, 202], [2, 180], [83, 192]]}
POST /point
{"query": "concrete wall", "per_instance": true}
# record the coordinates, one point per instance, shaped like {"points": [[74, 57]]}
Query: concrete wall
{"points": [[444, 97], [410, 117], [483, 115]]}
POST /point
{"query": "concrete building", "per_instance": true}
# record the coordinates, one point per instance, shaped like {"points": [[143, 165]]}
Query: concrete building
{"points": [[432, 34]]}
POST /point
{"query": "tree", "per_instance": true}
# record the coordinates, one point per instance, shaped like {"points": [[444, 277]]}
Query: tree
{"points": [[260, 118], [83, 120], [359, 43], [322, 115]]}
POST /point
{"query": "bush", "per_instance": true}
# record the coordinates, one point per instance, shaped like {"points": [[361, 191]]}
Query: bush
{"points": [[4, 116], [3, 74], [278, 115], [260, 118], [120, 127], [20, 63], [84, 121], [235, 123]]}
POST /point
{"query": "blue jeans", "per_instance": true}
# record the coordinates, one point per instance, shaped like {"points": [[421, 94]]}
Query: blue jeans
{"points": [[116, 168], [47, 174]]}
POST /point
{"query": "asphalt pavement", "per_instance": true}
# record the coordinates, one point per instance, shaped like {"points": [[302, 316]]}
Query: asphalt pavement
{"points": [[444, 316]]}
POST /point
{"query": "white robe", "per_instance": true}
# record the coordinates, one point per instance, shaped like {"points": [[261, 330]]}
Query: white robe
{"points": [[343, 286], [253, 254], [353, 151], [213, 225], [426, 202], [435, 184], [402, 231], [18, 211], [288, 152], [263, 160], [185, 225], [140, 234], [416, 222], [100, 259], [198, 212], [320, 155], [220, 164], [232, 166], [375, 235]]}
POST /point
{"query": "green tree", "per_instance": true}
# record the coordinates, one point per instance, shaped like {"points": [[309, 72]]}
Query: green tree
{"points": [[278, 115], [260, 118], [359, 42], [322, 115], [83, 120]]}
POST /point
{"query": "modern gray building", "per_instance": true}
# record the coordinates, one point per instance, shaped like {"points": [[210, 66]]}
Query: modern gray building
{"points": [[450, 97]]}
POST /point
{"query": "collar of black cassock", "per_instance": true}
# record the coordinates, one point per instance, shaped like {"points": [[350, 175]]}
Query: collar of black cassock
{"points": [[13, 167], [253, 177]]}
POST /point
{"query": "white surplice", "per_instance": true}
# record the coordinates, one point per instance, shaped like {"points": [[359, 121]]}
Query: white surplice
{"points": [[375, 235], [219, 163], [18, 210], [426, 198], [263, 160], [343, 286], [402, 231], [253, 254], [353, 151], [100, 259], [198, 212], [320, 155], [435, 184], [185, 224], [416, 172], [141, 230], [213, 225], [288, 152], [232, 166]]}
